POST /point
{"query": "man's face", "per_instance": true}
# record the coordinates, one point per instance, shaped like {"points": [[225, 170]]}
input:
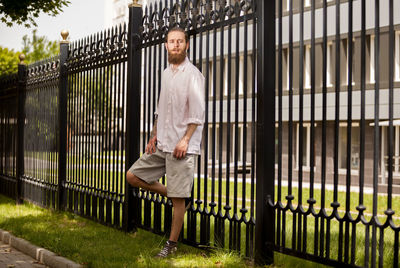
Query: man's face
{"points": [[176, 46]]}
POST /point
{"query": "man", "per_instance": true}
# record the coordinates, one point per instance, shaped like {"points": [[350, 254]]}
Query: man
{"points": [[176, 136]]}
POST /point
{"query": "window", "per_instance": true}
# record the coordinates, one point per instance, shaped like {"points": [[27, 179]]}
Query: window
{"points": [[372, 59], [239, 148], [346, 49], [226, 76], [307, 3], [355, 146], [385, 151], [210, 142], [285, 69], [397, 150], [241, 73], [397, 57], [307, 66], [329, 55], [305, 143], [210, 76]]}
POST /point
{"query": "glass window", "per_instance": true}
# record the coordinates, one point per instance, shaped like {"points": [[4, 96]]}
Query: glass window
{"points": [[355, 147], [305, 143]]}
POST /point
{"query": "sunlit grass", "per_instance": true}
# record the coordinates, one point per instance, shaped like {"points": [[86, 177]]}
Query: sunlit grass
{"points": [[96, 245]]}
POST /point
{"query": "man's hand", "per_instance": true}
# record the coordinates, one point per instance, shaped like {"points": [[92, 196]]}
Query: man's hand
{"points": [[181, 148], [151, 146]]}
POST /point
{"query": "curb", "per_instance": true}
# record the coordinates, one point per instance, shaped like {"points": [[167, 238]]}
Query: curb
{"points": [[40, 254]]}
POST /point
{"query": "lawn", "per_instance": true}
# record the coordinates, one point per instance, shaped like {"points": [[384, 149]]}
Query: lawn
{"points": [[96, 245]]}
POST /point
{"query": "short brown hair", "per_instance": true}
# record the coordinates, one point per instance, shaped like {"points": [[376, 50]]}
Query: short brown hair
{"points": [[177, 29]]}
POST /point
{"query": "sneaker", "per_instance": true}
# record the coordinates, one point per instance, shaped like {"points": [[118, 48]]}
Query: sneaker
{"points": [[169, 248], [188, 203]]}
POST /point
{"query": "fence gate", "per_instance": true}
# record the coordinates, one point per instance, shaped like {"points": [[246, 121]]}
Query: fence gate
{"points": [[337, 134]]}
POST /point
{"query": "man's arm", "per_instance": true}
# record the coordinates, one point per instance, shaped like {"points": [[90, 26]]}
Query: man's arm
{"points": [[151, 145], [183, 144]]}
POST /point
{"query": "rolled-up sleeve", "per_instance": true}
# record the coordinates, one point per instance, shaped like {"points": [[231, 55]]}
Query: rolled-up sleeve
{"points": [[196, 100]]}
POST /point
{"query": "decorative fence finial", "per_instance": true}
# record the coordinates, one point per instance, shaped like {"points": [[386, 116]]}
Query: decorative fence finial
{"points": [[21, 58], [135, 3], [64, 34]]}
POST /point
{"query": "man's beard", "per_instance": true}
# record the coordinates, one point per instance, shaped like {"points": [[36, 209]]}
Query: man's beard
{"points": [[176, 58]]}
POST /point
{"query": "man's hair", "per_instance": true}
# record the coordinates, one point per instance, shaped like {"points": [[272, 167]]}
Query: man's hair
{"points": [[177, 29]]}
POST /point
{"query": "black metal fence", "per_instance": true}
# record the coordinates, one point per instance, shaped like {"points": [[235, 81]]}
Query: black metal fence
{"points": [[301, 133], [336, 145], [96, 109], [39, 178], [223, 47], [8, 130]]}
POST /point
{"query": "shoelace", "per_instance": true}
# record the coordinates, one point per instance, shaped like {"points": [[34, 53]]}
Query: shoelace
{"points": [[166, 250]]}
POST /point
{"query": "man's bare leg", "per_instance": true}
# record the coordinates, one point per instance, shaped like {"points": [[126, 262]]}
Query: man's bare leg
{"points": [[154, 187], [177, 218]]}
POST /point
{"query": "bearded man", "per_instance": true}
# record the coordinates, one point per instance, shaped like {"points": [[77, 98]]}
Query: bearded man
{"points": [[175, 140]]}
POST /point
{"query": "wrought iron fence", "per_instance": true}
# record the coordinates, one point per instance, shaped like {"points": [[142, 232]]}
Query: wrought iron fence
{"points": [[223, 47], [41, 135], [335, 125], [97, 78], [324, 109], [8, 134]]}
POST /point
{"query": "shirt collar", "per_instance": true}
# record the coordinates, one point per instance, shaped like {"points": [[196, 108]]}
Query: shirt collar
{"points": [[181, 67]]}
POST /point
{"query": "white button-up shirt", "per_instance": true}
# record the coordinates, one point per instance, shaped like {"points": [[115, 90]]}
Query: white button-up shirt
{"points": [[181, 102]]}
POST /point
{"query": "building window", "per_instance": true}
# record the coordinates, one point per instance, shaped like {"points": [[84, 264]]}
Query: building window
{"points": [[307, 66], [385, 152], [397, 57], [226, 76], [210, 76], [305, 143], [241, 74], [307, 3], [346, 49], [396, 168], [210, 142], [285, 69], [239, 149], [372, 59], [329, 67], [355, 146]]}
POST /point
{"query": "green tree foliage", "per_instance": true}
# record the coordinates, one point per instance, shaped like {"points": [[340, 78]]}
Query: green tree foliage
{"points": [[8, 61], [26, 11], [39, 48], [35, 48]]}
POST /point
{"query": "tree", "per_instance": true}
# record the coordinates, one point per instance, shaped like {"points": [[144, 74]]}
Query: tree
{"points": [[35, 48], [8, 61], [38, 48], [26, 11]]}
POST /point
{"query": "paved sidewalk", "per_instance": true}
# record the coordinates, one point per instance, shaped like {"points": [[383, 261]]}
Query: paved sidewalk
{"points": [[12, 258], [37, 256]]}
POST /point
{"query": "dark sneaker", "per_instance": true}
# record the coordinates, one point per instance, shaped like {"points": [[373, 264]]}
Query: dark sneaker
{"points": [[188, 202], [169, 248]]}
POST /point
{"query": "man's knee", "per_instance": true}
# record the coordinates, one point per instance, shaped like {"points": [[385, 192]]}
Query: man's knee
{"points": [[132, 179]]}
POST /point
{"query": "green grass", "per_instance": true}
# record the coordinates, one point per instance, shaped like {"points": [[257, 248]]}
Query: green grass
{"points": [[96, 245]]}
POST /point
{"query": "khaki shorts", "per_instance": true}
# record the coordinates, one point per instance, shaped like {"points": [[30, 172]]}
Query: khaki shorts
{"points": [[151, 167]]}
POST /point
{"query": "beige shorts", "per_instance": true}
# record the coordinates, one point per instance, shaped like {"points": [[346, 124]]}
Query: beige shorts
{"points": [[151, 167]]}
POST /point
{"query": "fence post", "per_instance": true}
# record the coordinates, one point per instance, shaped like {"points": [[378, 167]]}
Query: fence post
{"points": [[265, 227], [20, 126], [132, 149], [62, 116]]}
